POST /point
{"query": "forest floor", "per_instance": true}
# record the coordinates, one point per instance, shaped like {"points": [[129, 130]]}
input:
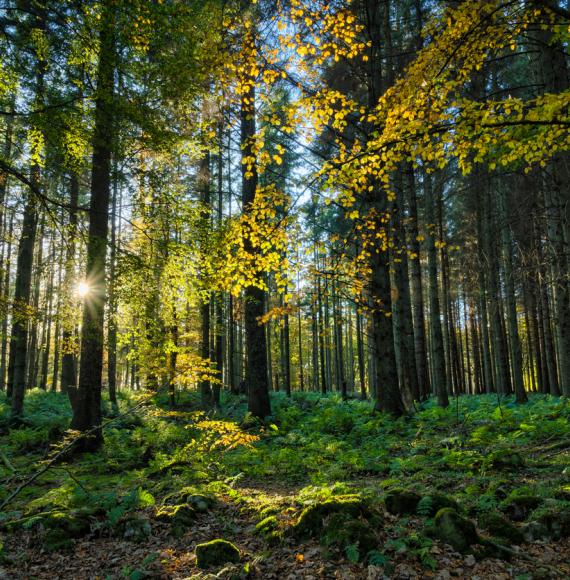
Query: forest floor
{"points": [[325, 489]]}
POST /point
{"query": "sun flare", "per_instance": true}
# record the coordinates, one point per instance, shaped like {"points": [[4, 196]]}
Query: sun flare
{"points": [[83, 289]]}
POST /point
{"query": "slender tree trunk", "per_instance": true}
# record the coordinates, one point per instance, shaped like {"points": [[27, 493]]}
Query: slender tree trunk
{"points": [[417, 292], [87, 404], [69, 358], [113, 306], [439, 377], [6, 285], [256, 372]]}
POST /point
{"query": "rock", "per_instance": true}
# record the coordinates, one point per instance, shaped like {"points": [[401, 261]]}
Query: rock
{"points": [[311, 520], [135, 528], [458, 532], [268, 528], [200, 502], [216, 552], [553, 525], [518, 507], [180, 517], [497, 525], [430, 504], [341, 532], [341, 522], [470, 560], [401, 501], [61, 528]]}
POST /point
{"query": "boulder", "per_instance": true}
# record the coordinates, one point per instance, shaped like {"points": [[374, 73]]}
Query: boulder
{"points": [[518, 507], [312, 518], [402, 501], [135, 528], [499, 526], [61, 528], [180, 517], [455, 530], [216, 552]]}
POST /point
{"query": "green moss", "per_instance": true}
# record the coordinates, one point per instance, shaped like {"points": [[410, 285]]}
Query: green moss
{"points": [[455, 530], [553, 524], [341, 532], [268, 528], [311, 520], [134, 528], [180, 517], [61, 528], [518, 507], [429, 505], [215, 553], [402, 501], [497, 525]]}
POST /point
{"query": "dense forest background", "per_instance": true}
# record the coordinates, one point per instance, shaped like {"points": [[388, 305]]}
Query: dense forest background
{"points": [[232, 209]]}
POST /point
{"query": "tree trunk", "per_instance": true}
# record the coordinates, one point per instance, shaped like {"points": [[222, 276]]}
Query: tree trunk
{"points": [[256, 347], [87, 404]]}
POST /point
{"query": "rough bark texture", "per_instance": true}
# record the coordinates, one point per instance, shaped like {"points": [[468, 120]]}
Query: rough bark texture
{"points": [[87, 402]]}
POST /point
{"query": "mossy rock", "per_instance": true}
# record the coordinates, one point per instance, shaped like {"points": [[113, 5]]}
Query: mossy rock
{"points": [[216, 552], [201, 502], [455, 530], [552, 525], [180, 517], [268, 528], [499, 526], [430, 504], [341, 532], [402, 501], [134, 528], [518, 507], [61, 528], [312, 518], [187, 495]]}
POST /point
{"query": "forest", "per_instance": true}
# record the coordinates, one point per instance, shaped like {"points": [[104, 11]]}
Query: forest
{"points": [[284, 289]]}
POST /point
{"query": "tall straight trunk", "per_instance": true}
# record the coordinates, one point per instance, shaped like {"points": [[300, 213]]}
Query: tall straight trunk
{"points": [[556, 79], [360, 352], [511, 311], [87, 402], [256, 346], [57, 330], [268, 334], [48, 318], [388, 395], [476, 185], [409, 371], [219, 297], [417, 295], [315, 384], [69, 358], [324, 382], [284, 350], [22, 291], [6, 286], [549, 348], [113, 305], [33, 353], [338, 344], [439, 377], [205, 198], [468, 369], [476, 345], [327, 336], [535, 334], [299, 329]]}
